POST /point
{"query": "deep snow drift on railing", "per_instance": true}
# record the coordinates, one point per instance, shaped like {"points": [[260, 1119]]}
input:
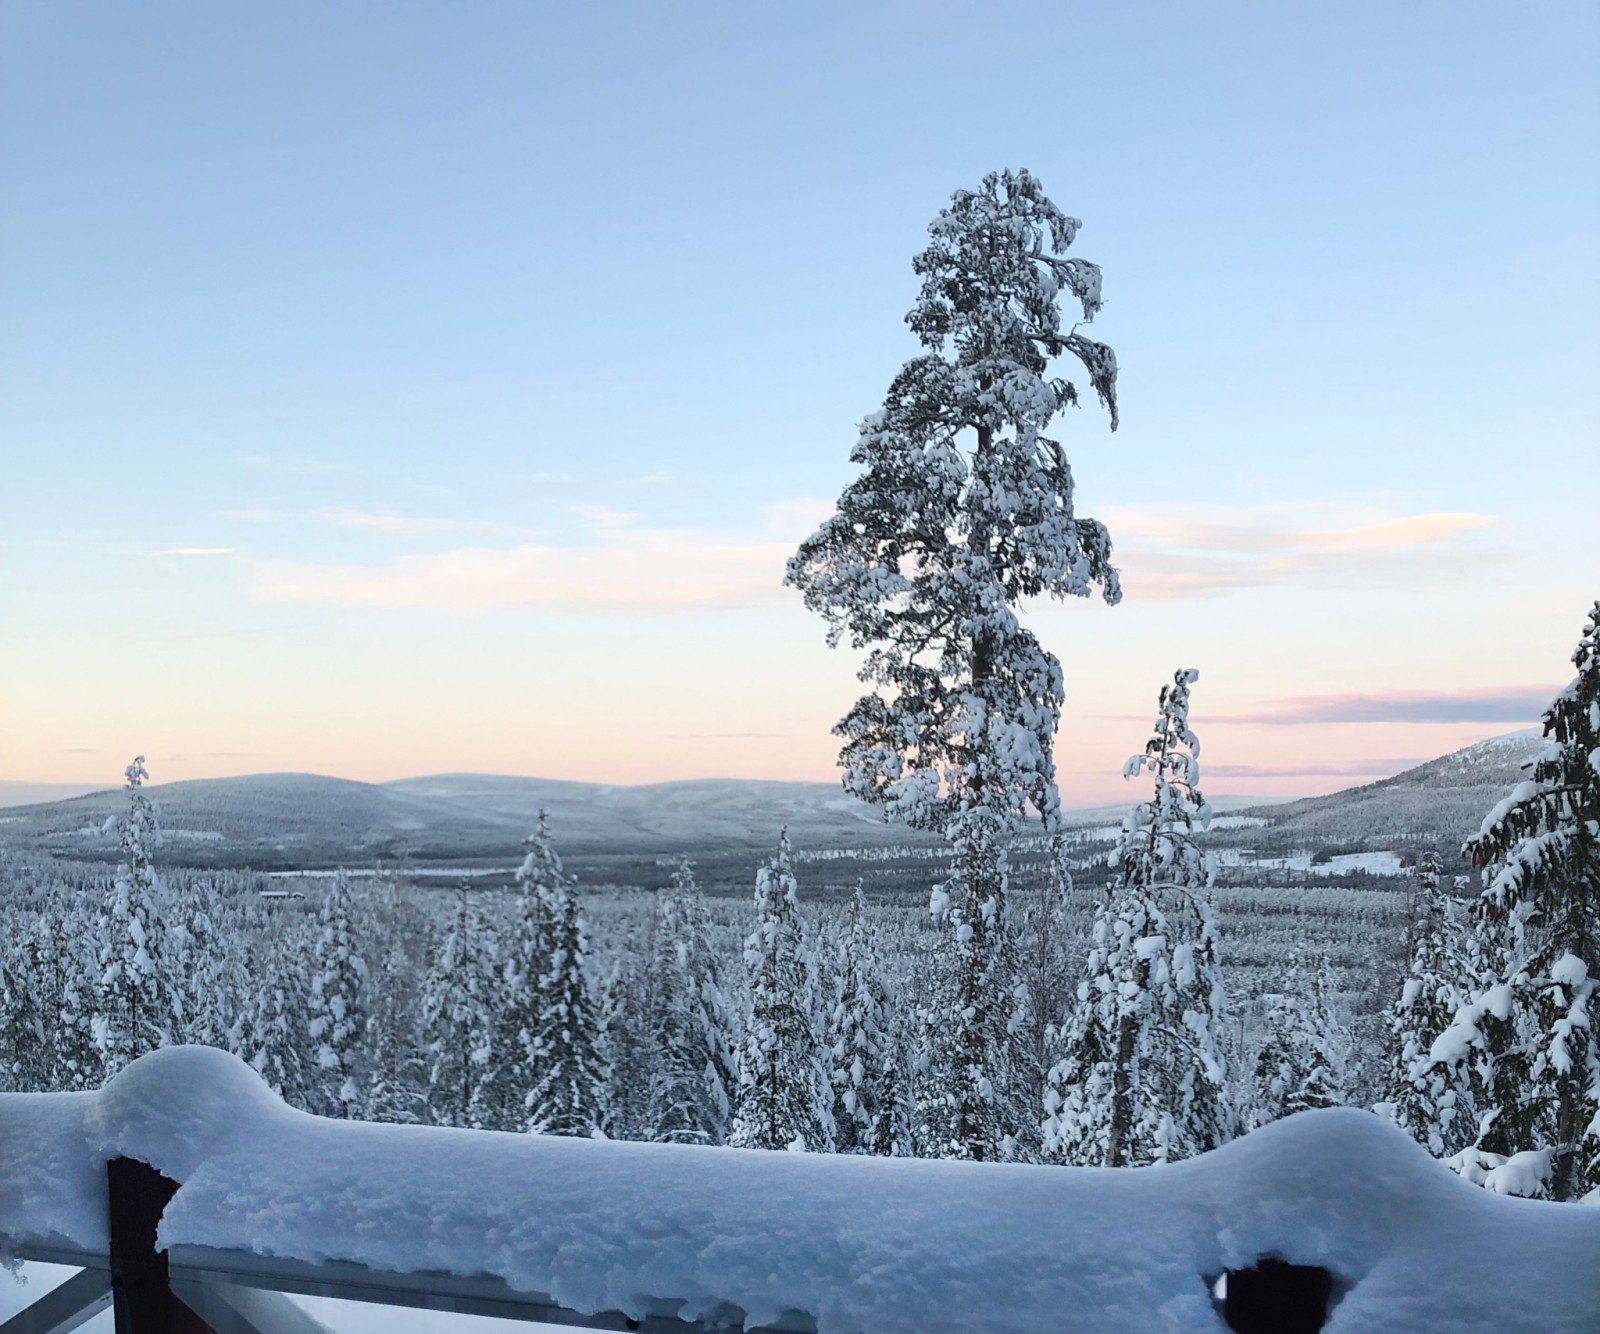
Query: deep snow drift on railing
{"points": [[856, 1243]]}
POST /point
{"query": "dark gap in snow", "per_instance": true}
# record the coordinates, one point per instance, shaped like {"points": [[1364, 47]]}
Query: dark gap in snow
{"points": [[1275, 1297]]}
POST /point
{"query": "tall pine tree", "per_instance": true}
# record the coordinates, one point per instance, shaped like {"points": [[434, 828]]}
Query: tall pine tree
{"points": [[964, 508]]}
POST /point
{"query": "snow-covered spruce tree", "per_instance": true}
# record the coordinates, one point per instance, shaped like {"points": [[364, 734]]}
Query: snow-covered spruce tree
{"points": [[863, 1065], [932, 1102], [65, 974], [23, 1068], [693, 1075], [337, 1023], [207, 973], [569, 1097], [1304, 1059], [1534, 1032], [136, 1010], [276, 1045], [1433, 1104], [1045, 981], [964, 507], [397, 1063], [630, 1026], [784, 1098], [456, 1020], [1143, 1076], [522, 961]]}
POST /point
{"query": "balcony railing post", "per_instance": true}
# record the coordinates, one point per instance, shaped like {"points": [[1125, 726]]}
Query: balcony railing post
{"points": [[142, 1298]]}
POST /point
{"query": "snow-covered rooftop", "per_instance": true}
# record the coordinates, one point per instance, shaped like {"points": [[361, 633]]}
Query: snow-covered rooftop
{"points": [[856, 1243]]}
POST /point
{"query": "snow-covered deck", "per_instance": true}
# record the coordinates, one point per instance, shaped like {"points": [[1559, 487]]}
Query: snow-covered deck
{"points": [[831, 1242]]}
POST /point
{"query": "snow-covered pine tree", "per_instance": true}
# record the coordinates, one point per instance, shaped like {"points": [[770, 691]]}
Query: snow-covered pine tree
{"points": [[397, 1063], [1433, 1104], [66, 974], [932, 1103], [713, 1014], [784, 1098], [206, 973], [1144, 1075], [23, 1068], [276, 1046], [1304, 1059], [337, 1020], [1532, 1032], [629, 1034], [569, 1097], [456, 1019], [522, 961], [863, 1062], [136, 1010], [1045, 990], [692, 1074], [963, 509]]}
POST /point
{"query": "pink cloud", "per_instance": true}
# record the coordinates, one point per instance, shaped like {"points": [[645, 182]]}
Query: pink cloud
{"points": [[1170, 553]]}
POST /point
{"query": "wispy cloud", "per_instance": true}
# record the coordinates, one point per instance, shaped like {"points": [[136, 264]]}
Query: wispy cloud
{"points": [[191, 551], [385, 522], [619, 563], [1502, 704], [1170, 552], [603, 517], [412, 525]]}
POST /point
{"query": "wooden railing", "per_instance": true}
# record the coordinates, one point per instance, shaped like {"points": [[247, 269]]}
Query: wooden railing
{"points": [[203, 1290]]}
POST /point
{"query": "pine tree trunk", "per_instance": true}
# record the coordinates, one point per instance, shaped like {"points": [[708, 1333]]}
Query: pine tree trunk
{"points": [[981, 878], [1122, 1076]]}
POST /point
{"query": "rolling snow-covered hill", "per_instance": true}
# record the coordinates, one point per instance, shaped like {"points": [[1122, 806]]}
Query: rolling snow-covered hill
{"points": [[295, 821], [1435, 805], [285, 821]]}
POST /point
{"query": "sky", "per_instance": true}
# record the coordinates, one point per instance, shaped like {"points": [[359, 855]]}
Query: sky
{"points": [[412, 388]]}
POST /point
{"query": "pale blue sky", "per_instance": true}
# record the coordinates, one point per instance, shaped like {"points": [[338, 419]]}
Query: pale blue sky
{"points": [[498, 352]]}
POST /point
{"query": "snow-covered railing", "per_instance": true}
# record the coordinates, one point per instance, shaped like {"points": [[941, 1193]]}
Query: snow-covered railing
{"points": [[666, 1237]]}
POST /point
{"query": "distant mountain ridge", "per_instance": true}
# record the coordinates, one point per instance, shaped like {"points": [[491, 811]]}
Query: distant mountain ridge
{"points": [[268, 821], [291, 821], [1440, 802]]}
